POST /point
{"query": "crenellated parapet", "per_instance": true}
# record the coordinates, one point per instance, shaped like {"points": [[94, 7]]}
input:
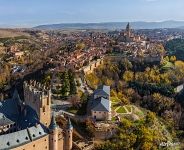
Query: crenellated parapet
{"points": [[37, 87]]}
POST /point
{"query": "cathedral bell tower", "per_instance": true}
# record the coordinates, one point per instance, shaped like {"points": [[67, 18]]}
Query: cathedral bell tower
{"points": [[128, 30]]}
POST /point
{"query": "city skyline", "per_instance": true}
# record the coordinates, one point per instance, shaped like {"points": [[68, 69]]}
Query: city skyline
{"points": [[21, 13]]}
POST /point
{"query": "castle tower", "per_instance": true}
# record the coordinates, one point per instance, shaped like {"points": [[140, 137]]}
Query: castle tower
{"points": [[68, 136], [53, 136], [38, 97]]}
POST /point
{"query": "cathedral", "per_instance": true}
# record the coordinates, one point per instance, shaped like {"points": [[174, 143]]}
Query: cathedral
{"points": [[29, 124], [127, 35]]}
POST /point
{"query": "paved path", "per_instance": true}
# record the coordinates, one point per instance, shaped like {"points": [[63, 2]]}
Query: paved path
{"points": [[127, 111], [117, 108]]}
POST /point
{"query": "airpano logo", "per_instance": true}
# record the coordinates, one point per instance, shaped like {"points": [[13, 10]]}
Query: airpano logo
{"points": [[169, 144]]}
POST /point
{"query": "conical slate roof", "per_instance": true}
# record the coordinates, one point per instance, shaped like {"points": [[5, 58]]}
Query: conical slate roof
{"points": [[53, 124], [69, 124]]}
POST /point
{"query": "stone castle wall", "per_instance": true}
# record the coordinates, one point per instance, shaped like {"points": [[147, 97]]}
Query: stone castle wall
{"points": [[93, 65]]}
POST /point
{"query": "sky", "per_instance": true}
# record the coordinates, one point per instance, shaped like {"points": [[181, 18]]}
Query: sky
{"points": [[29, 13]]}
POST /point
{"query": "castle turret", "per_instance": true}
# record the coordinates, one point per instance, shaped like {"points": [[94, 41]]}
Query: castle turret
{"points": [[68, 136], [53, 135]]}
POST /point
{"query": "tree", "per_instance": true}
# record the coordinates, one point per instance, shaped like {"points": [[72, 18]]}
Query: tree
{"points": [[128, 76], [90, 127], [84, 98], [65, 89], [167, 58], [113, 93], [172, 59], [150, 118], [75, 100], [93, 80], [125, 64], [80, 46]]}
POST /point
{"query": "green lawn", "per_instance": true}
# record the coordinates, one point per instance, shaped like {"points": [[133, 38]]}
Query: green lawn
{"points": [[128, 107], [121, 110]]}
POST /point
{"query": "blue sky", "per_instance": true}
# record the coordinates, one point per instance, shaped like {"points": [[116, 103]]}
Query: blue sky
{"points": [[27, 13]]}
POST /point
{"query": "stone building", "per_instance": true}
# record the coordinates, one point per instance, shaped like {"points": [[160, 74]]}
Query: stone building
{"points": [[101, 104], [29, 124]]}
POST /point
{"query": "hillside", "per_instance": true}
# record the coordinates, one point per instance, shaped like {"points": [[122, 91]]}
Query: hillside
{"points": [[6, 33], [176, 47], [114, 25]]}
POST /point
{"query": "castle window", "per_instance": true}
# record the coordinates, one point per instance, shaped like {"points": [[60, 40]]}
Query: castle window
{"points": [[18, 141], [47, 101], [34, 145], [45, 140], [26, 138], [8, 143], [43, 108], [40, 133], [45, 147], [33, 135]]}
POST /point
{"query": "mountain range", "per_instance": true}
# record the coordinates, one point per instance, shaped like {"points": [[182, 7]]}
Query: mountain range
{"points": [[114, 25]]}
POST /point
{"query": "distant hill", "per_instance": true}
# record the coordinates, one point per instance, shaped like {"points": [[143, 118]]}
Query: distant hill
{"points": [[181, 27], [114, 25]]}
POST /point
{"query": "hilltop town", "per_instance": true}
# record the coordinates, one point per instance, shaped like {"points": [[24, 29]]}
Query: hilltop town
{"points": [[91, 89]]}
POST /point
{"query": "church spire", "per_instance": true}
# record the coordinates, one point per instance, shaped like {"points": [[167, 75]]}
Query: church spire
{"points": [[128, 27]]}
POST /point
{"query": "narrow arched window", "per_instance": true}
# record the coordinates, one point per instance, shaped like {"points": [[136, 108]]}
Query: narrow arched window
{"points": [[43, 108]]}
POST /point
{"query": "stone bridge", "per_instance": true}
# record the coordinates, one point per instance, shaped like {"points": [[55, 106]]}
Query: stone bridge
{"points": [[74, 117]]}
